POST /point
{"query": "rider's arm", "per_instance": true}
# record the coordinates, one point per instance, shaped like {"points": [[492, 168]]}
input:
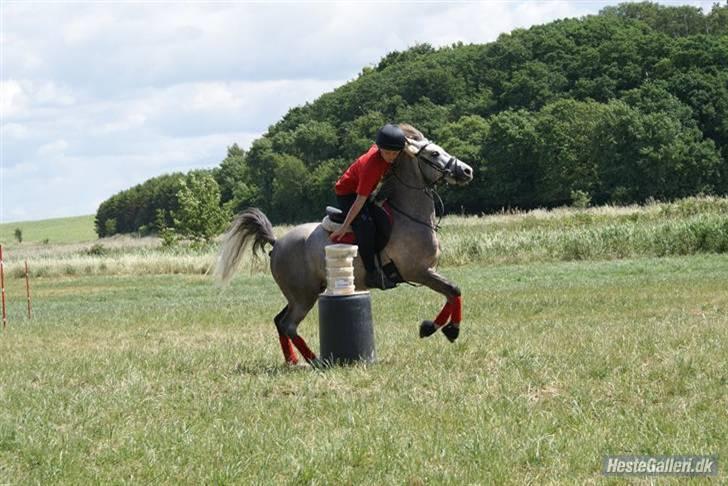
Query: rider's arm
{"points": [[354, 210]]}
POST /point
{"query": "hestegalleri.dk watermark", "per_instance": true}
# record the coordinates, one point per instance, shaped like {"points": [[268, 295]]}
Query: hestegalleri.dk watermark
{"points": [[660, 466]]}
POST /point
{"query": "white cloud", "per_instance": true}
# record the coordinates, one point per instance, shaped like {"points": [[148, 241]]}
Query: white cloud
{"points": [[87, 27], [128, 122], [48, 93], [53, 149], [12, 98], [14, 130]]}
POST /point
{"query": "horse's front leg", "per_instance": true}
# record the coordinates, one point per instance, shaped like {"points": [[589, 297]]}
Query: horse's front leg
{"points": [[452, 311]]}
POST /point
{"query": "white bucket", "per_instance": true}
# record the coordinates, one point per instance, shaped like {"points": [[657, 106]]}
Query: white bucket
{"points": [[340, 282], [334, 272], [340, 286], [342, 291], [340, 269], [347, 262], [341, 251]]}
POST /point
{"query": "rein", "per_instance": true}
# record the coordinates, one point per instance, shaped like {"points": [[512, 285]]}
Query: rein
{"points": [[429, 190]]}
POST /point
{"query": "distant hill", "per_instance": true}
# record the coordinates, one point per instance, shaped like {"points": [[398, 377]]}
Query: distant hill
{"points": [[621, 107], [60, 230]]}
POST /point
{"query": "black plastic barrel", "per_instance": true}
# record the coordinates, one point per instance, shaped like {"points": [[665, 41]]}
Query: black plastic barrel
{"points": [[346, 333]]}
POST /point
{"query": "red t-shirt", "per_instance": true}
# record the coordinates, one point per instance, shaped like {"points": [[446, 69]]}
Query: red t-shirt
{"points": [[363, 175]]}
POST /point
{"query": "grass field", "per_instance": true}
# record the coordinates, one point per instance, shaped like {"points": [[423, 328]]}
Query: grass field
{"points": [[59, 230], [165, 379], [585, 333]]}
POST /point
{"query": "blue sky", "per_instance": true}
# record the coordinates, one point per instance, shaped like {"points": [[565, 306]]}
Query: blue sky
{"points": [[96, 97]]}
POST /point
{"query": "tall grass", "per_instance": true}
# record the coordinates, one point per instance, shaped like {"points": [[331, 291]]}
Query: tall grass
{"points": [[590, 241], [689, 226]]}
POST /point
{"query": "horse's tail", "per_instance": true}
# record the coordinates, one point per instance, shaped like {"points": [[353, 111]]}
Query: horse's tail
{"points": [[250, 224]]}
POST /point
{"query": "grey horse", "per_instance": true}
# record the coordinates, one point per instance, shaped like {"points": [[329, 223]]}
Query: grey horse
{"points": [[297, 260]]}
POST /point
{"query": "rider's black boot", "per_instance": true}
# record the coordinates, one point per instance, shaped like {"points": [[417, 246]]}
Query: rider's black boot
{"points": [[375, 279]]}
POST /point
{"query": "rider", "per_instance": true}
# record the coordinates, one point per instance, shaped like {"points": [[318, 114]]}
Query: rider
{"points": [[353, 189]]}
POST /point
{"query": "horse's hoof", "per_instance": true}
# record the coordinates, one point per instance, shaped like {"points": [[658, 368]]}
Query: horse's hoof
{"points": [[427, 328], [451, 332]]}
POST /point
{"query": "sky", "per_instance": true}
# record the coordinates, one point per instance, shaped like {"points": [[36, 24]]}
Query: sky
{"points": [[98, 96]]}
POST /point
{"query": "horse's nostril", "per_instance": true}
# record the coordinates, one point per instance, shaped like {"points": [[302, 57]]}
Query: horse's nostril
{"points": [[468, 171]]}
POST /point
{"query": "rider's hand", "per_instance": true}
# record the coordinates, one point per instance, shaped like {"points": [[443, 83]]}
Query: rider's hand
{"points": [[339, 233]]}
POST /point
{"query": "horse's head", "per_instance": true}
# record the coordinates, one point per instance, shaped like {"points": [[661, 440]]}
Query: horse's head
{"points": [[437, 165]]}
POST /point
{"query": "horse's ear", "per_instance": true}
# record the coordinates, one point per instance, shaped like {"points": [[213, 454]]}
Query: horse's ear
{"points": [[411, 147]]}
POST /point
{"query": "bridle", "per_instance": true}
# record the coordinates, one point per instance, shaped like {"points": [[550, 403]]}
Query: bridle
{"points": [[428, 189], [444, 171]]}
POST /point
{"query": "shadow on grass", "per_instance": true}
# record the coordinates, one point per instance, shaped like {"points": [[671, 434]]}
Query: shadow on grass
{"points": [[266, 368]]}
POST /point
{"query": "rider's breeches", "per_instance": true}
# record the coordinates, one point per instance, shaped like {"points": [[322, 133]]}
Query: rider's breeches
{"points": [[364, 229]]}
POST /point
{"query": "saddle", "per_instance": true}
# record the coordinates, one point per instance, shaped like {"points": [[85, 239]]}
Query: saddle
{"points": [[381, 214], [383, 221]]}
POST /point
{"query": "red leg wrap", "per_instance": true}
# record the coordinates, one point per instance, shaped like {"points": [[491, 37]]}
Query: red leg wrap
{"points": [[303, 348], [444, 315], [288, 352], [457, 310]]}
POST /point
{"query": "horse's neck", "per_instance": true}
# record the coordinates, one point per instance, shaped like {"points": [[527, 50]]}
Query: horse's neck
{"points": [[408, 193]]}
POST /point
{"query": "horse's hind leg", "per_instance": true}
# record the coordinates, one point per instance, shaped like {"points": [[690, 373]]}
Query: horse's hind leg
{"points": [[286, 345], [287, 323], [451, 311]]}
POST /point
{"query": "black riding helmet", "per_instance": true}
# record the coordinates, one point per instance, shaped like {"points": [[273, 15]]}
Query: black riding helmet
{"points": [[390, 137]]}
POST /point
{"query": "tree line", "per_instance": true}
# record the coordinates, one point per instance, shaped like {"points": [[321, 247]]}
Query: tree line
{"points": [[620, 107]]}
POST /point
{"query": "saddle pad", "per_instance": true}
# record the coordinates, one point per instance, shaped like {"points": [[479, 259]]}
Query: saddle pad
{"points": [[349, 238]]}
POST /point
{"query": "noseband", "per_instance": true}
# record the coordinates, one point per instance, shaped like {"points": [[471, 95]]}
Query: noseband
{"points": [[444, 171]]}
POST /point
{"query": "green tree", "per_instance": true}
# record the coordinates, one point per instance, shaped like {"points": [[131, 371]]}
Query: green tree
{"points": [[315, 142], [425, 115], [320, 185], [360, 134], [261, 164], [110, 226], [19, 235], [533, 85], [237, 190], [642, 155], [567, 130], [290, 200], [231, 172], [465, 139], [200, 217], [511, 169]]}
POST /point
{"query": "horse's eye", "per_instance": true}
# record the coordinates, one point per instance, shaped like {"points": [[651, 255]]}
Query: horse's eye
{"points": [[435, 153]]}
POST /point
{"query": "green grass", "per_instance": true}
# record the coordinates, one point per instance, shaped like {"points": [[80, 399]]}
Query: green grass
{"points": [[165, 379], [60, 230]]}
